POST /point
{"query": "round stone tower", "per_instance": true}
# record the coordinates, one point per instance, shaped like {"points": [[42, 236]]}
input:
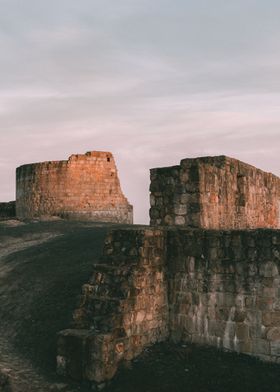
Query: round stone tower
{"points": [[84, 187]]}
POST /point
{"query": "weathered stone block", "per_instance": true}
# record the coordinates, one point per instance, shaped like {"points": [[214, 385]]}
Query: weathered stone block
{"points": [[260, 346], [242, 331], [7, 210], [269, 269], [273, 333]]}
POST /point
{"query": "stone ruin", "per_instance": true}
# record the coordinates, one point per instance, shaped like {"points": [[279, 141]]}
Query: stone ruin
{"points": [[207, 271], [214, 193], [84, 187], [7, 210]]}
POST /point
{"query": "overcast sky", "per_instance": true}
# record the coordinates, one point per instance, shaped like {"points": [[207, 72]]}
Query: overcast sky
{"points": [[152, 81]]}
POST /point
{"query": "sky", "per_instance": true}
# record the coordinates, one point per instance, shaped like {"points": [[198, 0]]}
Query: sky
{"points": [[151, 81]]}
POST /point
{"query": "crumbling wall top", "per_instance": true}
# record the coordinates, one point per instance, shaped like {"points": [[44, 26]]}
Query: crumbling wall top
{"points": [[214, 192], [85, 187]]}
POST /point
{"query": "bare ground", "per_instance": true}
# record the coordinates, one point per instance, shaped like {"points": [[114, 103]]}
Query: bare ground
{"points": [[42, 268]]}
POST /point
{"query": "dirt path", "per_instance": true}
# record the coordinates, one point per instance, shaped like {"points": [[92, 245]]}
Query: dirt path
{"points": [[42, 268], [18, 374], [9, 245]]}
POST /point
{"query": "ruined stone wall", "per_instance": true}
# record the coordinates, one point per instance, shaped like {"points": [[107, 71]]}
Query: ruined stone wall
{"points": [[219, 288], [7, 210], [175, 197], [214, 193], [123, 307], [224, 290], [83, 187], [213, 287]]}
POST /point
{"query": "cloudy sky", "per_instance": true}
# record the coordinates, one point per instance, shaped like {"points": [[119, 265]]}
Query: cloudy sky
{"points": [[152, 81]]}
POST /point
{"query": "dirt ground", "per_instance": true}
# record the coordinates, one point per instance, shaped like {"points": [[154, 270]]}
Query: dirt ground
{"points": [[42, 268], [169, 367]]}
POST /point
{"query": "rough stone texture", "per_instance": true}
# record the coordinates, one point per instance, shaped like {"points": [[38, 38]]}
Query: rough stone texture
{"points": [[213, 287], [123, 307], [214, 193], [84, 187], [218, 288], [224, 290], [7, 210]]}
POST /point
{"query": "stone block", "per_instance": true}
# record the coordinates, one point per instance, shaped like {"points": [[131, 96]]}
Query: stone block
{"points": [[242, 331], [8, 210], [72, 352], [246, 346], [180, 220], [269, 269], [275, 348], [260, 347], [273, 333]]}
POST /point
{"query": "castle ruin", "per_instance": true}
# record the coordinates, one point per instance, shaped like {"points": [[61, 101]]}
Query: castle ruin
{"points": [[206, 272], [214, 193], [84, 187]]}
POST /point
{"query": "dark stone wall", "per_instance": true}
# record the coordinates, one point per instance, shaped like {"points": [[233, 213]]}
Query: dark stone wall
{"points": [[123, 307], [219, 288], [7, 210], [224, 289]]}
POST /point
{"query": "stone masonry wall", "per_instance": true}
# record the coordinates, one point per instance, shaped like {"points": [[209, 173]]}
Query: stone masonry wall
{"points": [[83, 187], [123, 307], [7, 210], [224, 290], [219, 288], [214, 193], [215, 287]]}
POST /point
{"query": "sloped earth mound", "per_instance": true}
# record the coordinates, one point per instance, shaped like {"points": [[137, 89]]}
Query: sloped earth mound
{"points": [[42, 268]]}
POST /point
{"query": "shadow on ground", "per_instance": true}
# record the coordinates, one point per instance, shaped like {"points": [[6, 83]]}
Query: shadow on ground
{"points": [[187, 368]]}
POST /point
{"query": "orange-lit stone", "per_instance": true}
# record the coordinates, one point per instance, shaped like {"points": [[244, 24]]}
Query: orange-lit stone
{"points": [[83, 187], [214, 193]]}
